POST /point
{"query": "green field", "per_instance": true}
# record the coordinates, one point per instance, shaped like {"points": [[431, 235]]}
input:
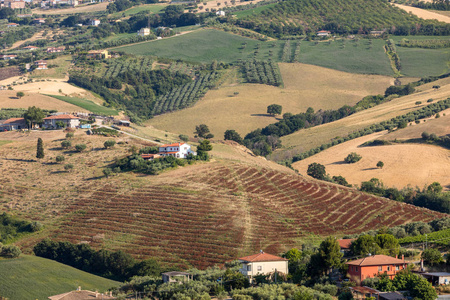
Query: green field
{"points": [[88, 105], [419, 62], [31, 277], [252, 11], [154, 8]]}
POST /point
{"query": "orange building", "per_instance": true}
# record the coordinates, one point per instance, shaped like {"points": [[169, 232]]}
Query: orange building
{"points": [[371, 266]]}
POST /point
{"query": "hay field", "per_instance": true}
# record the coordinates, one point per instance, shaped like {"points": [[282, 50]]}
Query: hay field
{"points": [[404, 164], [73, 10], [423, 13], [305, 86], [303, 140], [8, 99]]}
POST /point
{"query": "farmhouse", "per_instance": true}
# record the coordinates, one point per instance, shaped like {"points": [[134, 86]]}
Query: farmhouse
{"points": [[345, 244], [262, 263], [56, 49], [143, 32], [30, 48], [8, 56], [39, 21], [98, 54], [220, 13], [13, 124], [80, 294], [371, 266], [41, 65], [175, 276], [178, 150], [14, 4], [68, 120], [323, 33], [94, 22], [12, 25]]}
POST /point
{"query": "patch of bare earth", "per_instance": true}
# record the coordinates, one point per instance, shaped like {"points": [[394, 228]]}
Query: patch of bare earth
{"points": [[8, 99], [73, 10], [423, 13]]}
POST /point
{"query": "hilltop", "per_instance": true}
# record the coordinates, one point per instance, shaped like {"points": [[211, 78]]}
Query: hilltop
{"points": [[197, 215]]}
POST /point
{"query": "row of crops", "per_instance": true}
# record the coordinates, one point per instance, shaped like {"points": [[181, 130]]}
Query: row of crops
{"points": [[115, 67], [441, 237], [428, 44], [262, 72], [181, 67], [185, 95], [286, 55]]}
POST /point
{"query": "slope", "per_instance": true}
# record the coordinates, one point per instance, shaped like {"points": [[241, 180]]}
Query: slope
{"points": [[43, 278], [197, 215]]}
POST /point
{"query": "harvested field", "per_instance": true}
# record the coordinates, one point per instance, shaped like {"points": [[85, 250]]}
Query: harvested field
{"points": [[305, 86], [423, 13], [306, 139], [8, 99], [197, 215], [404, 164], [73, 10]]}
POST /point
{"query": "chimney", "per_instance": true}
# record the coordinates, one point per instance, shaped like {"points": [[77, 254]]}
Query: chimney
{"points": [[403, 257], [396, 255]]}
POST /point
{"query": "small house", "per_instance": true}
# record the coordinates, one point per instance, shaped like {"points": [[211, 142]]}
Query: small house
{"points": [[39, 21], [94, 22], [176, 276], [150, 156], [98, 54], [372, 266], [345, 245], [376, 32], [13, 124], [220, 13], [322, 33], [56, 49], [178, 150], [262, 264], [8, 56], [437, 278], [30, 48], [69, 121], [12, 25], [143, 32], [15, 4], [363, 292], [41, 65]]}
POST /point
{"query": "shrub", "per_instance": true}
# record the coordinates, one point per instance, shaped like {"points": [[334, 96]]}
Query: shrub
{"points": [[183, 137], [107, 172], [60, 158], [380, 164], [316, 170], [352, 158], [69, 135], [68, 167], [109, 144], [66, 144], [80, 147], [10, 251]]}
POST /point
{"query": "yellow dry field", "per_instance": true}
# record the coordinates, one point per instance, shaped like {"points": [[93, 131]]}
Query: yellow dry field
{"points": [[404, 164], [306, 139], [73, 10], [423, 13], [8, 99], [305, 86], [219, 4]]}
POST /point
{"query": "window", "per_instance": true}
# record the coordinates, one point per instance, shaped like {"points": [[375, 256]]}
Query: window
{"points": [[259, 268], [356, 269], [380, 268], [389, 268], [397, 268], [249, 267]]}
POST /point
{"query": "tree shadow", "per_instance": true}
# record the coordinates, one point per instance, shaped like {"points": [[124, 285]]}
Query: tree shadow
{"points": [[94, 178], [367, 169], [58, 172], [262, 115], [339, 163], [20, 159]]}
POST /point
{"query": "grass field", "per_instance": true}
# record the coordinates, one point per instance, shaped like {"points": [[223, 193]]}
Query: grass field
{"points": [[88, 105], [248, 12], [62, 65], [73, 10], [31, 277], [418, 62], [304, 86], [304, 140], [154, 8]]}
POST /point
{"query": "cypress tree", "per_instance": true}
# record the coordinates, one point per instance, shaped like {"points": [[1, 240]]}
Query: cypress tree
{"points": [[40, 148]]}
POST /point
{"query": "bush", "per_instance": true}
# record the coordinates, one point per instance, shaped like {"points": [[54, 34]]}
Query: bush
{"points": [[68, 167], [80, 147], [69, 135], [60, 158], [109, 144], [66, 144], [10, 251], [352, 158], [317, 171], [183, 137]]}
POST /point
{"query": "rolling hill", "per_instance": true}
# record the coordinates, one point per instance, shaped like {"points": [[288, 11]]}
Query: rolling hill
{"points": [[31, 277], [197, 215]]}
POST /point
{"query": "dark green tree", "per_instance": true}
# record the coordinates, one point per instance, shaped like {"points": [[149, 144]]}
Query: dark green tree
{"points": [[202, 130], [432, 256], [364, 245], [274, 109], [204, 146], [330, 253], [20, 94], [109, 144], [66, 144], [352, 158], [40, 148], [380, 164], [317, 171], [388, 244], [80, 147], [233, 136], [34, 115]]}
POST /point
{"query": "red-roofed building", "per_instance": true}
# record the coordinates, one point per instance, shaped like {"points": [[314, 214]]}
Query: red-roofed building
{"points": [[371, 266], [345, 245], [68, 120], [13, 124], [323, 33], [262, 263], [178, 150]]}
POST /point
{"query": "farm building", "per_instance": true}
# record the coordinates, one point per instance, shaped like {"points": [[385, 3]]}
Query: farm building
{"points": [[345, 245], [12, 25], [56, 49], [150, 156], [13, 124], [41, 65], [371, 266], [323, 33], [39, 21], [437, 278], [220, 13], [68, 120], [80, 294], [94, 22], [8, 56], [143, 32], [178, 150], [262, 263], [14, 4], [30, 48], [176, 276], [98, 54]]}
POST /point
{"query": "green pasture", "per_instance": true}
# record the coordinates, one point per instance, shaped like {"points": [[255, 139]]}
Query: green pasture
{"points": [[87, 104], [252, 11], [153, 8], [31, 277], [419, 62]]}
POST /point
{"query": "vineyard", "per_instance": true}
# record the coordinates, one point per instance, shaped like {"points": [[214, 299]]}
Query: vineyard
{"points": [[262, 72], [207, 214], [185, 95], [441, 237]]}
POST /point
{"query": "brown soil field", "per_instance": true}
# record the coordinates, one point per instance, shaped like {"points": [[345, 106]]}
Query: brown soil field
{"points": [[306, 139], [8, 99], [197, 215], [72, 10], [9, 72], [423, 13], [305, 86]]}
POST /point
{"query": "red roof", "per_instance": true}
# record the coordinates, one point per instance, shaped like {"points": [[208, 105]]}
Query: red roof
{"points": [[169, 152], [376, 260], [345, 243], [12, 120], [172, 145], [261, 256], [61, 117]]}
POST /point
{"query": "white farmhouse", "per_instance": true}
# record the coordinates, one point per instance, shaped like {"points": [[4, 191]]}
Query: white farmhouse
{"points": [[262, 264], [178, 150], [143, 32], [94, 22], [68, 120]]}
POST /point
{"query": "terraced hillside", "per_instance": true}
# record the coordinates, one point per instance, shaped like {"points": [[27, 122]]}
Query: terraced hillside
{"points": [[197, 215]]}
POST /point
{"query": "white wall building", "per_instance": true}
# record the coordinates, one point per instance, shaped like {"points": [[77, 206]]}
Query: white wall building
{"points": [[143, 32], [263, 264], [69, 121], [178, 150]]}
